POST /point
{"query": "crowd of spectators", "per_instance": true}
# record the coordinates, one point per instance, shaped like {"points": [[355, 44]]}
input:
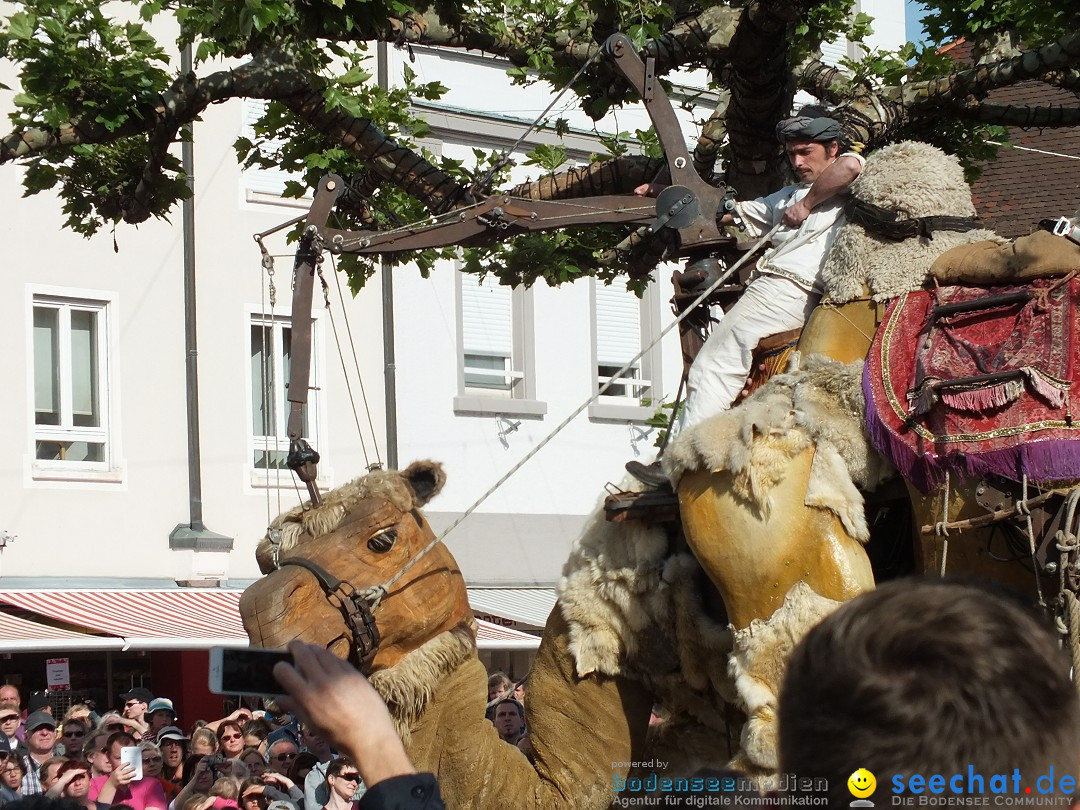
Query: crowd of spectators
{"points": [[263, 760], [919, 680]]}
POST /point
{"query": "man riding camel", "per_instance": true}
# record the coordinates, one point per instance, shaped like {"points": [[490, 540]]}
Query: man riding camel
{"points": [[786, 284]]}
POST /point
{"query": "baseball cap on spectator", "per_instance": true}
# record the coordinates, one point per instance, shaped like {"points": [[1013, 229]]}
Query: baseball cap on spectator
{"points": [[38, 719], [139, 693], [283, 733], [5, 746], [171, 733], [161, 704], [37, 702]]}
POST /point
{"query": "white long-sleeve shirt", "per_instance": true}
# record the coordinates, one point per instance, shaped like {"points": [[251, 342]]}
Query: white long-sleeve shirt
{"points": [[797, 254]]}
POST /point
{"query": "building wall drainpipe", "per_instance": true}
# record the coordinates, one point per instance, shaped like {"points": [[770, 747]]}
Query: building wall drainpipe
{"points": [[192, 536]]}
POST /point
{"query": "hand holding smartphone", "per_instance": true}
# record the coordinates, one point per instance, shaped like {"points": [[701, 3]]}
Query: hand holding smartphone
{"points": [[245, 671], [132, 755]]}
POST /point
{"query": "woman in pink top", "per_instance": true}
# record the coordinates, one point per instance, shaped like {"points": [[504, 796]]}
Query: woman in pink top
{"points": [[121, 787], [342, 779]]}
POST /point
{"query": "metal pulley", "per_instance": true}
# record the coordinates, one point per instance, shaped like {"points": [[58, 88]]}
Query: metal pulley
{"points": [[676, 207]]}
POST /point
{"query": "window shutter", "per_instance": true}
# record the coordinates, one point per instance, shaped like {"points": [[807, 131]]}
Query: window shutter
{"points": [[486, 316], [618, 324], [833, 52], [265, 181]]}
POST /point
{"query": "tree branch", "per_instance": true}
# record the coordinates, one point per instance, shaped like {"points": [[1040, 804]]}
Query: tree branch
{"points": [[267, 76], [617, 176], [713, 134], [978, 81], [1025, 117]]}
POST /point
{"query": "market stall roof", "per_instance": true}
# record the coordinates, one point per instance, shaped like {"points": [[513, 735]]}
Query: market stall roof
{"points": [[148, 619], [22, 635], [525, 605]]}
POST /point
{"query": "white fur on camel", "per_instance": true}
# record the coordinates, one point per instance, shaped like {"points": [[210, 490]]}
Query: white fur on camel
{"points": [[914, 180], [820, 405]]}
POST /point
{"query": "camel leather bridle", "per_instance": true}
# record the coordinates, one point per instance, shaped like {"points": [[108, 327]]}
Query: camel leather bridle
{"points": [[355, 605]]}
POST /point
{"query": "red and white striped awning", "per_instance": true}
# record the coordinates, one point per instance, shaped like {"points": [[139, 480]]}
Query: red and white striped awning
{"points": [[22, 635], [167, 619], [493, 637], [171, 619]]}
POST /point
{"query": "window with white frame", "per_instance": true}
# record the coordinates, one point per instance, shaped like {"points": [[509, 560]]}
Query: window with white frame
{"points": [[270, 364], [259, 184], [496, 347], [623, 325], [71, 391]]}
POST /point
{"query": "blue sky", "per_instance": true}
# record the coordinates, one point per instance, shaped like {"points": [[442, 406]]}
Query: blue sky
{"points": [[913, 14]]}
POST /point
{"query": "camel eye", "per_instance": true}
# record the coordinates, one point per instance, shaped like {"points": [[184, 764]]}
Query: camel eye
{"points": [[383, 541]]}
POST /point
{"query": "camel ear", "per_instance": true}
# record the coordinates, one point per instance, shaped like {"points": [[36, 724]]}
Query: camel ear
{"points": [[426, 479]]}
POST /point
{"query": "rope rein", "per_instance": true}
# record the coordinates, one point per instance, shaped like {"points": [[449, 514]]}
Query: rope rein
{"points": [[375, 594]]}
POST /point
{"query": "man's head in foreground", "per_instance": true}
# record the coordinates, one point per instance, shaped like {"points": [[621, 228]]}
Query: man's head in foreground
{"points": [[928, 677]]}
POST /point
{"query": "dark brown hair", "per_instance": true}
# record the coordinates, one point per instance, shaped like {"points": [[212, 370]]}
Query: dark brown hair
{"points": [[928, 677]]}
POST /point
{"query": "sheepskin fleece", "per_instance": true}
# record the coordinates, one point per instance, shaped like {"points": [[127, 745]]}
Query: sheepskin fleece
{"points": [[819, 405], [757, 667], [915, 180], [409, 685], [635, 608]]}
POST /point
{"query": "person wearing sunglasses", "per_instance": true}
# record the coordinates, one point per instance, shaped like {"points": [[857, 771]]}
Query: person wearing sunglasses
{"points": [[342, 778], [173, 744], [72, 733], [280, 755], [230, 739], [153, 767], [96, 753], [10, 720]]}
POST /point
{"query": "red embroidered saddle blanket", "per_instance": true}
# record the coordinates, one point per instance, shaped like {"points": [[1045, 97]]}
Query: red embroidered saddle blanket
{"points": [[977, 380]]}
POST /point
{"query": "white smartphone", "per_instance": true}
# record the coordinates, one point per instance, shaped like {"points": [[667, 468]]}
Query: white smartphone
{"points": [[132, 755], [245, 670]]}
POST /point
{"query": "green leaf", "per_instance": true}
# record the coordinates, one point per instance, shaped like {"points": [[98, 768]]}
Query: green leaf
{"points": [[21, 25], [355, 76], [54, 28], [205, 50], [547, 156]]}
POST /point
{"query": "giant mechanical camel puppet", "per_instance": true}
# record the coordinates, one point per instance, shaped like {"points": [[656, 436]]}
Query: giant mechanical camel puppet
{"points": [[775, 519]]}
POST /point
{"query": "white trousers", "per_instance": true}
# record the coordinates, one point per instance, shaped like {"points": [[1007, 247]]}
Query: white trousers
{"points": [[769, 305]]}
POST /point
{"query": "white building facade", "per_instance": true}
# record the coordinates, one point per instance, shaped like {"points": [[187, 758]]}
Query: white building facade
{"points": [[96, 473]]}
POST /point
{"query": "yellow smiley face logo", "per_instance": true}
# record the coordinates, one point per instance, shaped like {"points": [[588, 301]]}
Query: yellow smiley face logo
{"points": [[861, 783]]}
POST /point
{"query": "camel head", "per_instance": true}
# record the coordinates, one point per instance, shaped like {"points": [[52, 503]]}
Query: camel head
{"points": [[363, 534]]}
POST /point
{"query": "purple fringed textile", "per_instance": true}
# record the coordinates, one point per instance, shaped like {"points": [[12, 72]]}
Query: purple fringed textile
{"points": [[1008, 428]]}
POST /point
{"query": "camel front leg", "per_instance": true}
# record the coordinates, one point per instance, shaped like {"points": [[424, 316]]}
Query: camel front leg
{"points": [[779, 571], [754, 558]]}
